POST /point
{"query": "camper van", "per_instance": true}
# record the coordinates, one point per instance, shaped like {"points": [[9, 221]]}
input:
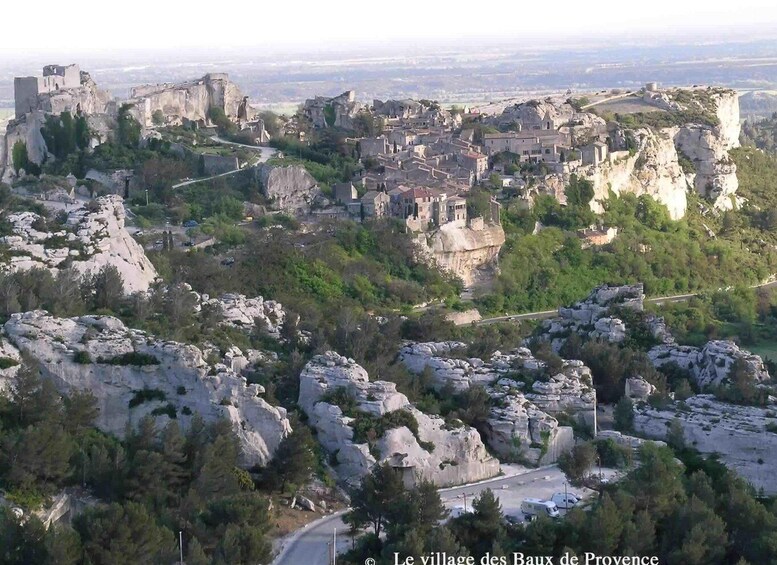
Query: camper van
{"points": [[565, 501], [533, 507]]}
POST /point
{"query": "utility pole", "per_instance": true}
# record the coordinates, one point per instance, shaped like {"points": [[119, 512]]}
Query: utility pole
{"points": [[180, 543], [146, 197], [334, 547]]}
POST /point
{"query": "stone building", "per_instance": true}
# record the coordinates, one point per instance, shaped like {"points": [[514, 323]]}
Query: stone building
{"points": [[55, 78]]}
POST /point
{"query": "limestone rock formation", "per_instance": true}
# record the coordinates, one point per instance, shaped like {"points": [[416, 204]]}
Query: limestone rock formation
{"points": [[444, 456], [96, 353], [190, 100], [467, 252], [738, 434], [521, 425], [710, 365], [332, 112], [242, 312], [590, 318], [92, 237], [292, 189], [653, 170], [715, 172]]}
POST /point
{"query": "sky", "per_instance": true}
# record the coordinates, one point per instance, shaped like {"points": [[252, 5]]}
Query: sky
{"points": [[81, 26]]}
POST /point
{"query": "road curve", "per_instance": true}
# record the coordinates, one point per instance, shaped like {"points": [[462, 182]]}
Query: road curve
{"points": [[310, 545], [265, 153]]}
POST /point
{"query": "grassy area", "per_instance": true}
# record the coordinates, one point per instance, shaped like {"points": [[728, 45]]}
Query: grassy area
{"points": [[764, 349]]}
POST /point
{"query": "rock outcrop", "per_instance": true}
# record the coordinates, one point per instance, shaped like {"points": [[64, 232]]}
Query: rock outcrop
{"points": [[132, 375], [591, 318], [92, 237], [740, 435], [241, 312], [710, 366], [191, 101], [469, 252], [292, 189], [433, 451], [524, 396], [332, 112], [653, 169]]}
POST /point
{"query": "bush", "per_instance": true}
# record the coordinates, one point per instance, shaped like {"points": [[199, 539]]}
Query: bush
{"points": [[168, 410], [146, 395], [130, 358], [82, 358], [7, 362]]}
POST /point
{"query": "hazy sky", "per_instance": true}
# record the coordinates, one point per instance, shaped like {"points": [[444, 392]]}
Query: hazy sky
{"points": [[79, 25]]}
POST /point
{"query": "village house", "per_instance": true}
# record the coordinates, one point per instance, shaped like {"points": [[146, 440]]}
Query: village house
{"points": [[372, 146], [594, 153], [344, 192], [594, 237], [375, 204], [477, 163]]}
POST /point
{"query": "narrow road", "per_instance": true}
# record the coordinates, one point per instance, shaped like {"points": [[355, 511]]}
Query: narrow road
{"points": [[265, 154], [311, 544], [553, 313]]}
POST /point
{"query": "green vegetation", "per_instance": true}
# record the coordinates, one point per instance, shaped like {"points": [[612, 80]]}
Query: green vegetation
{"points": [[21, 159], [146, 395]]}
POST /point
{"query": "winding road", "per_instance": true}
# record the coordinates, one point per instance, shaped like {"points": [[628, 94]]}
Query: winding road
{"points": [[265, 154], [311, 545]]}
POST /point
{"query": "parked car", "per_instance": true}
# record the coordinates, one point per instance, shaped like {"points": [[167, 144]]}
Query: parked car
{"points": [[565, 501], [190, 224], [188, 243], [533, 507]]}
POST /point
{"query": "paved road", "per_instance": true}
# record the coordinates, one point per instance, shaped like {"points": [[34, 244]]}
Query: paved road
{"points": [[553, 313], [310, 545], [265, 153]]}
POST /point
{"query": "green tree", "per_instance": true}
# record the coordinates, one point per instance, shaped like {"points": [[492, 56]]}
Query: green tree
{"points": [[108, 288], [294, 460], [624, 415], [378, 500], [577, 462], [124, 535], [128, 128]]}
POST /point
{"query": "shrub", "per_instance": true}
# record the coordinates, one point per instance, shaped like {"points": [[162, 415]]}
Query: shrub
{"points": [[146, 395], [131, 358], [7, 362], [82, 358], [168, 410]]}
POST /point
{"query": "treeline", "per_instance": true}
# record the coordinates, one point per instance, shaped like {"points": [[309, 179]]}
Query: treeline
{"points": [[690, 511], [152, 485]]}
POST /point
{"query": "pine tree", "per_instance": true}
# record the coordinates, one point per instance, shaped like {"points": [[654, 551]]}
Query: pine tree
{"points": [[378, 499], [294, 460]]}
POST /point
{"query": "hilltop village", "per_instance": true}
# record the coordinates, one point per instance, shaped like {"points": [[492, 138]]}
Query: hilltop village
{"points": [[234, 319]]}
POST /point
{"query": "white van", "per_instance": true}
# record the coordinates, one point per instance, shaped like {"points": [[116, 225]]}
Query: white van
{"points": [[533, 507], [565, 501]]}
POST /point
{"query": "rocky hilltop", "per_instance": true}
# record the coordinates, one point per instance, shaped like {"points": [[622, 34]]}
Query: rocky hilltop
{"points": [[190, 101], [92, 237], [338, 111], [525, 395], [469, 252], [339, 399], [132, 374]]}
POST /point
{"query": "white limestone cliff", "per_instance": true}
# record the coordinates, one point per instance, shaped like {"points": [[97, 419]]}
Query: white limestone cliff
{"points": [[291, 188], [470, 253], [439, 454], [75, 353], [93, 237], [190, 100], [521, 425], [739, 435], [653, 170]]}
